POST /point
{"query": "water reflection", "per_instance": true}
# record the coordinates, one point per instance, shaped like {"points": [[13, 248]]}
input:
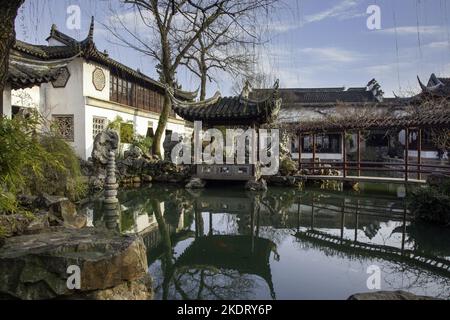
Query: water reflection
{"points": [[230, 244]]}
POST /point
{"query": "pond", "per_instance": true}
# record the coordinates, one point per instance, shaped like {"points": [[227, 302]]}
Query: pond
{"points": [[226, 243]]}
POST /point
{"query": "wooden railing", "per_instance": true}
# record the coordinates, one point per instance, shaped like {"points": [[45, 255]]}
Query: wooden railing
{"points": [[405, 168]]}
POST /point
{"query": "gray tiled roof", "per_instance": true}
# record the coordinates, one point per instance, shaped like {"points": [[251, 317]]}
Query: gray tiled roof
{"points": [[87, 49], [229, 110], [326, 96], [433, 118], [24, 73], [315, 96]]}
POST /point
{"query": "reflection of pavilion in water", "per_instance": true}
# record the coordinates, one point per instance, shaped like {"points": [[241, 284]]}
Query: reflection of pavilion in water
{"points": [[355, 247], [295, 210], [247, 252], [313, 212]]}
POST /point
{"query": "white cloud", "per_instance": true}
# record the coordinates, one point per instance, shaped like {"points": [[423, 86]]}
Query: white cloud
{"points": [[438, 45], [281, 27], [340, 10], [332, 54], [412, 30], [346, 9]]}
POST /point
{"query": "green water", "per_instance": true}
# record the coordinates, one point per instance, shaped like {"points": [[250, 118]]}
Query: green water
{"points": [[226, 243]]}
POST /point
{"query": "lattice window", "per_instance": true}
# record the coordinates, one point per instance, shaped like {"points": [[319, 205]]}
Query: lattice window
{"points": [[65, 126], [98, 125]]}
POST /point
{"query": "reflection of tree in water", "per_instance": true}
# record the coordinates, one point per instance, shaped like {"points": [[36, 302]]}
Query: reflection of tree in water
{"points": [[396, 274], [277, 204], [211, 283], [276, 235], [429, 239], [405, 277], [371, 230]]}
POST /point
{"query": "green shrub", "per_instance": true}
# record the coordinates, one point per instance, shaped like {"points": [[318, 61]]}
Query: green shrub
{"points": [[143, 143], [431, 204], [125, 129], [288, 166], [63, 178], [32, 162]]}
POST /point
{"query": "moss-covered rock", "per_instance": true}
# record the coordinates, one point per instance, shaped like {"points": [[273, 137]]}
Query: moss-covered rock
{"points": [[35, 266]]}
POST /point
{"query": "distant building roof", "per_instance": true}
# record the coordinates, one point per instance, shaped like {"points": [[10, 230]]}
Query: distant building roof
{"points": [[322, 96], [87, 49], [436, 87]]}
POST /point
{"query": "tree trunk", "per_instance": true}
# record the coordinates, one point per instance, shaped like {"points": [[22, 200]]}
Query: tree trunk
{"points": [[203, 71], [167, 74], [8, 13], [203, 87], [156, 147]]}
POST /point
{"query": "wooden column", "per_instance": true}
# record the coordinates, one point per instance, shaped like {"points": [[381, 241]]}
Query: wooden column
{"points": [[252, 225], [210, 224], [344, 156], [196, 222], [314, 150], [356, 220], [258, 213], [299, 208], [358, 155], [343, 219], [299, 151], [258, 142], [312, 213], [406, 153], [404, 227], [419, 154]]}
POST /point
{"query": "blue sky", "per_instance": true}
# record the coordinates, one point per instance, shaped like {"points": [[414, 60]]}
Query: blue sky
{"points": [[310, 43]]}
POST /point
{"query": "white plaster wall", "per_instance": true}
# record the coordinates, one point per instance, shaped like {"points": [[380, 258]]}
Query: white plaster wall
{"points": [[301, 113], [321, 156], [26, 98], [7, 101], [66, 101], [89, 89], [424, 154], [140, 124]]}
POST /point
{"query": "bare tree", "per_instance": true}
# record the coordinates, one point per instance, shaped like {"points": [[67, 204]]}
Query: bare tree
{"points": [[8, 13], [174, 27], [440, 136], [256, 79], [225, 47]]}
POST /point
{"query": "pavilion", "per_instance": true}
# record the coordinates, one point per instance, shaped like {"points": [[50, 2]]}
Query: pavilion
{"points": [[232, 112]]}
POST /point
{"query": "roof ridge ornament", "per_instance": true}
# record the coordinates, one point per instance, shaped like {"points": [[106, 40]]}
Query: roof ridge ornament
{"points": [[187, 104], [430, 89], [91, 29], [246, 90], [436, 80]]}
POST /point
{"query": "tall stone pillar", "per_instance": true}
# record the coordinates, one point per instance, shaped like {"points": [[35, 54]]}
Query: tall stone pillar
{"points": [[111, 203]]}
